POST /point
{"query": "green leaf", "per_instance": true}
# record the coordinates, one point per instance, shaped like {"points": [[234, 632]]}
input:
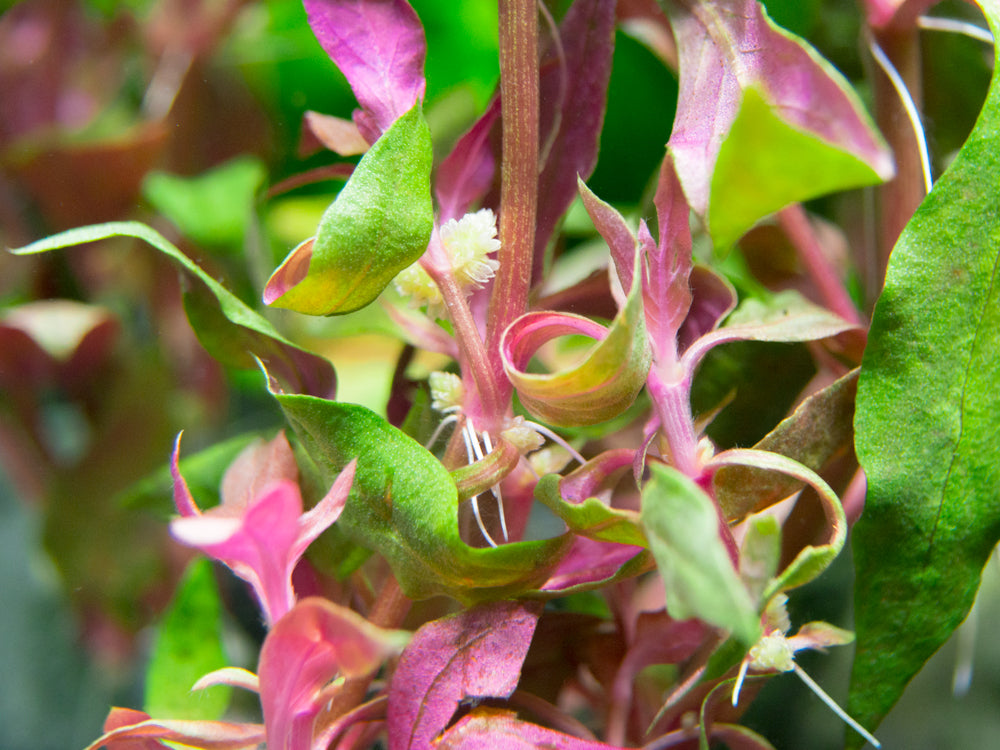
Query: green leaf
{"points": [[591, 518], [682, 526], [379, 224], [927, 424], [760, 554], [232, 332], [820, 429], [404, 504], [766, 164], [188, 646], [212, 208]]}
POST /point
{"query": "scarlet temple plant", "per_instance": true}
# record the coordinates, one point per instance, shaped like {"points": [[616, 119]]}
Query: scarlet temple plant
{"points": [[687, 543]]}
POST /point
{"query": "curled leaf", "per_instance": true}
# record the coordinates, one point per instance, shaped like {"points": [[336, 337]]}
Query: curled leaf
{"points": [[598, 389]]}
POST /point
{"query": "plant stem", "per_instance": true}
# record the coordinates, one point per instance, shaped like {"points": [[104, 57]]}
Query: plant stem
{"points": [[471, 348], [797, 226], [519, 165]]}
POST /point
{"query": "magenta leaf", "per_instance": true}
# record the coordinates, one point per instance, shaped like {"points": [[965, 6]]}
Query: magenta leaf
{"points": [[379, 47], [259, 532], [306, 649], [475, 654], [492, 729], [466, 174], [666, 266], [763, 120], [576, 88]]}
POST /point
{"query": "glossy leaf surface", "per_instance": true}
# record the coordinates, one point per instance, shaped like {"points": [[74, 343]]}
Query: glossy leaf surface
{"points": [[927, 424]]}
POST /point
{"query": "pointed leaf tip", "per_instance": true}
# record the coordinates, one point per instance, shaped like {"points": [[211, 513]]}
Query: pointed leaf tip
{"points": [[378, 225]]}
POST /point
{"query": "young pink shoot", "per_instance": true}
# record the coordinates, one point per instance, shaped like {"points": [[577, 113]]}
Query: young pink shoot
{"points": [[260, 537], [314, 644]]}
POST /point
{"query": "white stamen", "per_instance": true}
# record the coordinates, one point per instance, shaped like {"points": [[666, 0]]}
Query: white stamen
{"points": [[557, 440], [744, 666], [450, 419], [473, 452], [496, 491], [821, 694]]}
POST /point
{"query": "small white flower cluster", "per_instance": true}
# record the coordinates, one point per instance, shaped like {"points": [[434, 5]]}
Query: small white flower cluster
{"points": [[468, 242]]}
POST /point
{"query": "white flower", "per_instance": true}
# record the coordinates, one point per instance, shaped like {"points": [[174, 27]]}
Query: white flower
{"points": [[414, 283], [469, 242], [447, 391]]}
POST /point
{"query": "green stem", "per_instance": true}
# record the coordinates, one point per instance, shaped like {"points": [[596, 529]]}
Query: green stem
{"points": [[519, 166]]}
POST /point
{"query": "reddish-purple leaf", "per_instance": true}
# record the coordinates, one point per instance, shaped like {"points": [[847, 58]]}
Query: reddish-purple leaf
{"points": [[615, 231], [466, 174], [307, 648], [379, 47], [729, 48], [591, 561], [573, 96], [472, 655], [490, 729]]}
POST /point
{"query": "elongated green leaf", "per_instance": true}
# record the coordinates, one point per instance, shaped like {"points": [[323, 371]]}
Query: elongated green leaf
{"points": [[404, 504], [379, 224], [188, 646], [927, 424], [232, 332], [683, 530]]}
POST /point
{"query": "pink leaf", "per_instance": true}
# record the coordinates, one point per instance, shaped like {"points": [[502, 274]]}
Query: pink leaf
{"points": [[259, 530], [475, 654], [335, 133], [307, 648], [126, 729], [466, 174], [667, 265], [490, 729], [379, 47]]}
